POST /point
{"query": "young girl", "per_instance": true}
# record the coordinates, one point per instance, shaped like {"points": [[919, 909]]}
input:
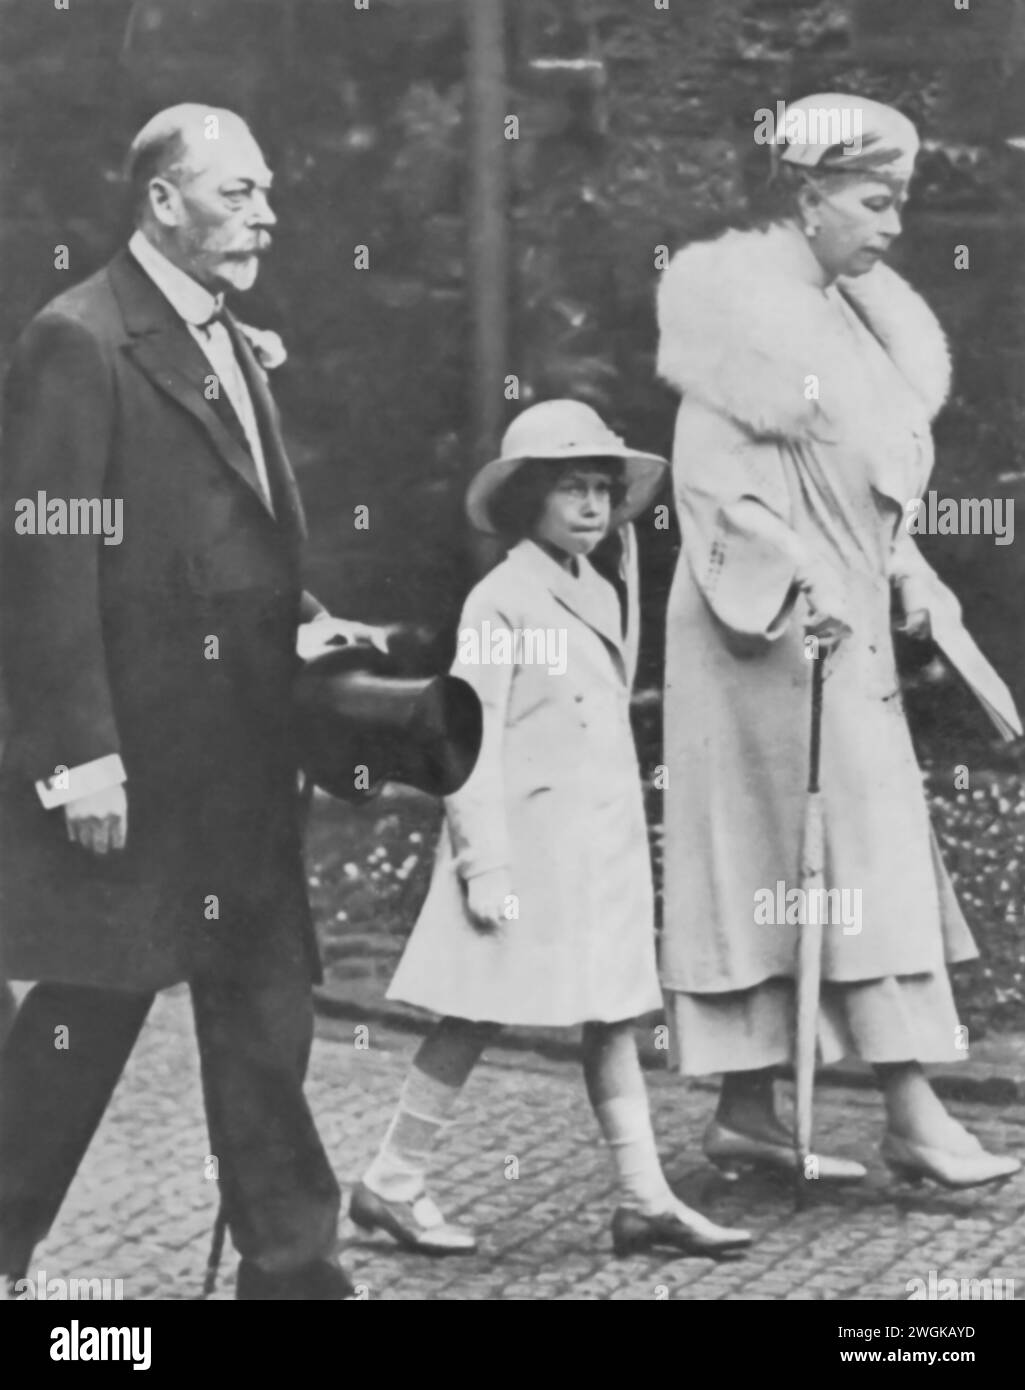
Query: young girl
{"points": [[540, 910]]}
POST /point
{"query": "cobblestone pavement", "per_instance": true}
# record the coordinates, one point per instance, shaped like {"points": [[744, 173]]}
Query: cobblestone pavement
{"points": [[141, 1209]]}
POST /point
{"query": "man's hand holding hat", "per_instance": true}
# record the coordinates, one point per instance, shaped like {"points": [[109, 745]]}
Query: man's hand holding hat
{"points": [[326, 634]]}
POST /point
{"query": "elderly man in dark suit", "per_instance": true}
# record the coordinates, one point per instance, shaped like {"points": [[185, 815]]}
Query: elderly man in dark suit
{"points": [[149, 828]]}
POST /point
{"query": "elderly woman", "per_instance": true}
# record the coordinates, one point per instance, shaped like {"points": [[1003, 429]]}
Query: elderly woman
{"points": [[810, 373]]}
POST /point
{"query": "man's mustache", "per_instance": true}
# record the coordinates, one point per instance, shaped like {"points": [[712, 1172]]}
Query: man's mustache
{"points": [[244, 253]]}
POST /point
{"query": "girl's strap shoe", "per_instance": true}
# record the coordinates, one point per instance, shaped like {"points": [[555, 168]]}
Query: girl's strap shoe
{"points": [[416, 1225], [633, 1231]]}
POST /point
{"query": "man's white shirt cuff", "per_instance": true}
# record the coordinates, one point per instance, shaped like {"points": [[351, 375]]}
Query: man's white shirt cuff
{"points": [[68, 784]]}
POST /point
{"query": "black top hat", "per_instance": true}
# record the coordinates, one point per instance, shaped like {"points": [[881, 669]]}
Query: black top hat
{"points": [[359, 724]]}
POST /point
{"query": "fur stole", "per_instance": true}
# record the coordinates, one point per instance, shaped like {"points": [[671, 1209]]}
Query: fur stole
{"points": [[740, 331]]}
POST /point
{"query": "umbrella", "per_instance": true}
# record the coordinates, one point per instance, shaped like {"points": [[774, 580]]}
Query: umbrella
{"points": [[809, 941]]}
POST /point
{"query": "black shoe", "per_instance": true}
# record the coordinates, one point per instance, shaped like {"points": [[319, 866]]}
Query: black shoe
{"points": [[416, 1225], [321, 1281], [633, 1231]]}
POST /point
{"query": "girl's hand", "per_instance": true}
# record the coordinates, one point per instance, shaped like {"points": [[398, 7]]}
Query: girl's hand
{"points": [[487, 898]]}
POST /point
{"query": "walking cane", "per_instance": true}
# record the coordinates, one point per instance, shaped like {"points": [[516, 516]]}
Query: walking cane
{"points": [[809, 947], [216, 1251]]}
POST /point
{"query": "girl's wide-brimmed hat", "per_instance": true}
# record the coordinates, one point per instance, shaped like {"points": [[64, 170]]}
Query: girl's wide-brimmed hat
{"points": [[558, 432]]}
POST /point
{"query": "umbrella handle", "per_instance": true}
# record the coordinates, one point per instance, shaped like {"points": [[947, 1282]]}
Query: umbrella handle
{"points": [[815, 741]]}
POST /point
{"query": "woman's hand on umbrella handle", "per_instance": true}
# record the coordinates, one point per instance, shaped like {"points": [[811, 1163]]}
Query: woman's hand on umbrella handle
{"points": [[827, 631], [825, 620]]}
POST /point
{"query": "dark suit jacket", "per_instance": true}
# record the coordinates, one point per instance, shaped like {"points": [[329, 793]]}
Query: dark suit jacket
{"points": [[106, 649]]}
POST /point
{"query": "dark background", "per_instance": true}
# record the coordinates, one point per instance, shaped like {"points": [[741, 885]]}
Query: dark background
{"points": [[363, 117]]}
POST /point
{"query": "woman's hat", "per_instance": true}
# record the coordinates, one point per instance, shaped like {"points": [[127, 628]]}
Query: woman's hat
{"points": [[834, 132], [558, 432], [359, 711]]}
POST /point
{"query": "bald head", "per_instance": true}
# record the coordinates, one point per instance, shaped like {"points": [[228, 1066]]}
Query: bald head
{"points": [[175, 142], [200, 188]]}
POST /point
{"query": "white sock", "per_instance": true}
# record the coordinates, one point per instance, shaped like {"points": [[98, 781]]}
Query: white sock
{"points": [[399, 1171], [626, 1124]]}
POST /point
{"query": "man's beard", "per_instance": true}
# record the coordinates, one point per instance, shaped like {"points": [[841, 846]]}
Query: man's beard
{"points": [[238, 272]]}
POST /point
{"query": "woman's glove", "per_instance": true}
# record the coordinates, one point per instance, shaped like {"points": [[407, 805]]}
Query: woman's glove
{"points": [[915, 622], [487, 898], [828, 608]]}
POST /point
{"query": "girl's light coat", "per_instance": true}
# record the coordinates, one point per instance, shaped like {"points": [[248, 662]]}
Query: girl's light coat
{"points": [[555, 800]]}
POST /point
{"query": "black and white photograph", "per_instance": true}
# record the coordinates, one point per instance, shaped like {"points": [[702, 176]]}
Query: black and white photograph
{"points": [[512, 775]]}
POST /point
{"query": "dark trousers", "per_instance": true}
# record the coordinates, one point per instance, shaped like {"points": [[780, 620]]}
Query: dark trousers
{"points": [[280, 1196]]}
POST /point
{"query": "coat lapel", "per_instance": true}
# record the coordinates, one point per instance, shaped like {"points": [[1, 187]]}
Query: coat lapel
{"points": [[164, 349], [590, 597], [285, 494]]}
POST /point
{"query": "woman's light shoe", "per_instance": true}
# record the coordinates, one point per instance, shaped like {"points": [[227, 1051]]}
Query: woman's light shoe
{"points": [[730, 1150], [694, 1234], [913, 1162], [416, 1225]]}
